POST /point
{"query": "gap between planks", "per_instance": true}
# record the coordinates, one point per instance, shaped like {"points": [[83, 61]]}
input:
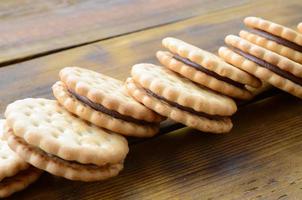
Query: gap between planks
{"points": [[201, 17], [68, 47]]}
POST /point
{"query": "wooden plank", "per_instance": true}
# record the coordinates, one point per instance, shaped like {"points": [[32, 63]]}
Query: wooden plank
{"points": [[116, 56], [259, 159], [31, 28]]}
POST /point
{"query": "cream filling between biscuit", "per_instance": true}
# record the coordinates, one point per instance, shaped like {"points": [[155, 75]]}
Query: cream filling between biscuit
{"points": [[196, 66], [72, 164], [277, 39], [183, 108], [112, 113], [269, 66]]}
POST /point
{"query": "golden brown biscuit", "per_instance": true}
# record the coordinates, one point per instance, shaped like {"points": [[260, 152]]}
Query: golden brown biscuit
{"points": [[47, 136], [268, 66], [206, 69], [175, 97], [15, 173], [101, 119], [275, 37], [104, 102], [19, 182]]}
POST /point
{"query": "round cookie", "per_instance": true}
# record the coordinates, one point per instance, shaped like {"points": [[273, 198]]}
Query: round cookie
{"points": [[104, 102], [175, 97], [206, 69], [60, 167], [47, 136], [100, 119], [275, 37], [19, 182], [268, 66], [15, 173], [179, 115]]}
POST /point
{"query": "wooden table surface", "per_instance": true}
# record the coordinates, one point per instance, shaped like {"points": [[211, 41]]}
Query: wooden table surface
{"points": [[259, 159]]}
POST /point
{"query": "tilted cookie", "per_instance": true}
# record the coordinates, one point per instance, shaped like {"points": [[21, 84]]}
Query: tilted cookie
{"points": [[10, 162], [104, 102], [206, 69], [268, 66], [300, 27], [175, 97], [19, 182], [15, 173], [275, 37], [47, 136]]}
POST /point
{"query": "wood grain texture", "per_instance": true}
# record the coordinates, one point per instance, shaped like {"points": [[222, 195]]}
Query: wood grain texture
{"points": [[35, 27], [115, 57], [259, 159]]}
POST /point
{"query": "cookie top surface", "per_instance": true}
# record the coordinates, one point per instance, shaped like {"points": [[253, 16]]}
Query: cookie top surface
{"points": [[208, 61], [202, 123], [172, 87], [273, 28], [264, 54], [262, 72], [104, 90], [10, 162], [45, 124]]}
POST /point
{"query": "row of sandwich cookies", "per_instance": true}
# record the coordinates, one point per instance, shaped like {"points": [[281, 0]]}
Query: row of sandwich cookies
{"points": [[80, 136]]}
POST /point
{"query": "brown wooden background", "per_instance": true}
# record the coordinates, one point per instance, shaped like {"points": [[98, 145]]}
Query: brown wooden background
{"points": [[260, 158]]}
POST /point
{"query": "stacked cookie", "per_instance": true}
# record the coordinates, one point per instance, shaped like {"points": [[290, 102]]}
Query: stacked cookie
{"points": [[50, 138], [81, 134], [179, 99], [269, 51], [103, 101], [15, 173], [206, 69], [193, 88]]}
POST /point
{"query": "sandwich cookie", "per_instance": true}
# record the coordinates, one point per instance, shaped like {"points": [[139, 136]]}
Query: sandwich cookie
{"points": [[300, 27], [104, 102], [15, 173], [268, 66], [50, 138], [178, 98], [275, 37], [206, 69]]}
